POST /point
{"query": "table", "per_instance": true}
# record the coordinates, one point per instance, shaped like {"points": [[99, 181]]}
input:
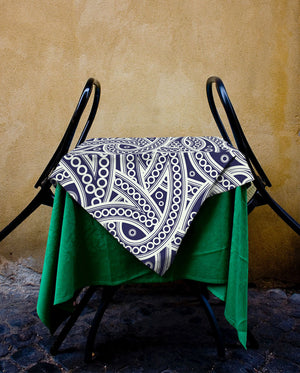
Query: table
{"points": [[80, 252], [176, 204]]}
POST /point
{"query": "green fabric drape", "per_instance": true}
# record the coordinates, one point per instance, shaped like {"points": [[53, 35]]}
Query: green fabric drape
{"points": [[80, 252]]}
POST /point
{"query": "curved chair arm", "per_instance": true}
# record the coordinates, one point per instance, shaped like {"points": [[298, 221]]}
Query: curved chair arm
{"points": [[259, 196], [65, 143], [45, 195], [236, 128]]}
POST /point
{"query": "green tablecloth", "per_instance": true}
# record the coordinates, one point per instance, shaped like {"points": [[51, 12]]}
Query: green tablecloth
{"points": [[80, 252]]}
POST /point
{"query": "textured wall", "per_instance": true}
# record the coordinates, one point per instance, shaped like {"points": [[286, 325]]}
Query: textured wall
{"points": [[153, 59]]}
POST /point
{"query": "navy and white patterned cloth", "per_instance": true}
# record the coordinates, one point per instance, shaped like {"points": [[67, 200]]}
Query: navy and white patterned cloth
{"points": [[146, 191]]}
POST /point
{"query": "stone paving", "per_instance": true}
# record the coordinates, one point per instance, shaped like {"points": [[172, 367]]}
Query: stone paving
{"points": [[147, 329]]}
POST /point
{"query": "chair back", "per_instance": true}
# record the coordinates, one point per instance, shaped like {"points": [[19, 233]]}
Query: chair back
{"points": [[238, 134], [66, 141]]}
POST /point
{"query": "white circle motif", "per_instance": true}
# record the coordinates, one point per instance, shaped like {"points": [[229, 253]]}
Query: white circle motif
{"points": [[176, 200], [195, 190], [82, 170], [132, 232], [96, 201], [99, 192], [150, 245], [97, 214], [103, 172], [130, 157], [155, 173], [113, 211], [173, 215], [121, 211], [170, 221], [203, 162], [159, 166], [131, 191], [103, 162], [131, 173], [135, 250], [59, 177], [135, 215], [176, 168], [130, 165], [175, 207], [118, 182], [128, 213], [226, 183], [86, 179], [147, 208], [151, 214], [224, 158], [101, 183], [162, 235], [90, 189], [156, 241], [177, 192], [166, 229], [142, 218], [75, 161], [148, 223], [159, 195], [105, 212], [143, 249], [142, 201]]}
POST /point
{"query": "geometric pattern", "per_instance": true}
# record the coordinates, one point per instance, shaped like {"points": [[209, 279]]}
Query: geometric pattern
{"points": [[146, 191]]}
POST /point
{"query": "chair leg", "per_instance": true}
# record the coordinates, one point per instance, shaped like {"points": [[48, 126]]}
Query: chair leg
{"points": [[285, 216], [214, 325], [200, 289], [255, 201], [107, 295], [44, 196], [72, 319]]}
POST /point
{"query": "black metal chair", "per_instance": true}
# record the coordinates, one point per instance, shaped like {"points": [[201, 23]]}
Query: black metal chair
{"points": [[45, 195], [257, 196], [257, 193]]}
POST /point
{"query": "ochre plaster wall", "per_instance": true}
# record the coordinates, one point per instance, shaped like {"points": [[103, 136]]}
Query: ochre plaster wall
{"points": [[152, 58]]}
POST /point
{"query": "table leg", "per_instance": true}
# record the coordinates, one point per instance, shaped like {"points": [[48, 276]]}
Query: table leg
{"points": [[72, 319], [107, 295]]}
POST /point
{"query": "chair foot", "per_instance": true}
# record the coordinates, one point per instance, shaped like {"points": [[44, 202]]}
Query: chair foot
{"points": [[107, 295], [72, 319]]}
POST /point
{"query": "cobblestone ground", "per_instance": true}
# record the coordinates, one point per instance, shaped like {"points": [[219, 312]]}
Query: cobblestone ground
{"points": [[147, 329]]}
